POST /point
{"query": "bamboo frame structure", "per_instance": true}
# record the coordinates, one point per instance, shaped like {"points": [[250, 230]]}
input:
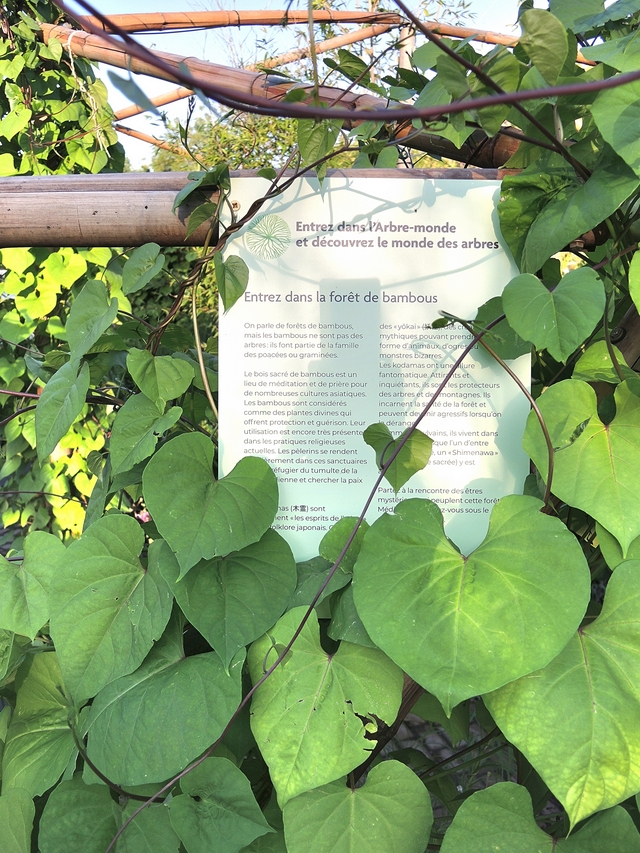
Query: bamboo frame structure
{"points": [[479, 150]]}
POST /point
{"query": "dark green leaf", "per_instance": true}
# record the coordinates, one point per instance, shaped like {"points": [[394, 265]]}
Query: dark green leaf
{"points": [[24, 587], [201, 517], [201, 214], [59, 405], [135, 431], [335, 539], [232, 600], [39, 741], [217, 809], [311, 576], [16, 821], [143, 264], [501, 338], [77, 817], [168, 690], [106, 609], [232, 277], [569, 216], [91, 314]]}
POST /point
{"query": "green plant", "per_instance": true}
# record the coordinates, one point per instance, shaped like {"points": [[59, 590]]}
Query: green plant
{"points": [[170, 683]]}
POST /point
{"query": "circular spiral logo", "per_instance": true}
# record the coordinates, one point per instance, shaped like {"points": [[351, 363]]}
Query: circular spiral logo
{"points": [[268, 237]]}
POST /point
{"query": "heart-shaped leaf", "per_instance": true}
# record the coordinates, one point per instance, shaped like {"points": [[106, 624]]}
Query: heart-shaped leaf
{"points": [[390, 813], [24, 587], [596, 465], [160, 378], [544, 40], [201, 517], [307, 716], [335, 539], [501, 817], [135, 431], [91, 314], [106, 609], [165, 693], [595, 365], [233, 600], [232, 277], [217, 809], [560, 320], [59, 405], [589, 697], [17, 812], [412, 458], [143, 264], [39, 741], [459, 624], [77, 817]]}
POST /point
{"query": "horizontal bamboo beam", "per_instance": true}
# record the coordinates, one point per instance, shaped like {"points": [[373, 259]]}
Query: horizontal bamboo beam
{"points": [[478, 150], [128, 209], [95, 210], [162, 21]]}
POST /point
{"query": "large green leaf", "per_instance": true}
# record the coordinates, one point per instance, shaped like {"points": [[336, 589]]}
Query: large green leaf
{"points": [[458, 626], [160, 378], [622, 53], [77, 817], [597, 465], [217, 809], [571, 11], [149, 832], [559, 320], [199, 516], [106, 608], [524, 196], [390, 813], [188, 700], [614, 12], [233, 600], [307, 716], [59, 405], [501, 817], [232, 277], [24, 587], [502, 339], [545, 42], [573, 213], [135, 431], [617, 115], [595, 365], [412, 458], [16, 821], [336, 538], [143, 264], [91, 314], [39, 741], [589, 698]]}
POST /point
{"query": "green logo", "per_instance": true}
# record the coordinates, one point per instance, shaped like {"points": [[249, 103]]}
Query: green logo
{"points": [[268, 237]]}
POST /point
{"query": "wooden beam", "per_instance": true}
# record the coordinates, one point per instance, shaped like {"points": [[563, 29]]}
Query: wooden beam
{"points": [[128, 209], [95, 210]]}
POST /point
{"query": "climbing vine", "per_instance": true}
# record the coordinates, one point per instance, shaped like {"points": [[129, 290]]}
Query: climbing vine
{"points": [[170, 679]]}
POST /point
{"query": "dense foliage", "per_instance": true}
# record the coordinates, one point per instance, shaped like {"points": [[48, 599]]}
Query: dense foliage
{"points": [[147, 608]]}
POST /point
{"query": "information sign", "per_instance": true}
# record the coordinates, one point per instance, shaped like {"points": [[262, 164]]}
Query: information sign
{"points": [[334, 333]]}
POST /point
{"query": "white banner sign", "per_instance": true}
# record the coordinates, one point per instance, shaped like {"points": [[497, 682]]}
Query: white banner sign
{"points": [[334, 333]]}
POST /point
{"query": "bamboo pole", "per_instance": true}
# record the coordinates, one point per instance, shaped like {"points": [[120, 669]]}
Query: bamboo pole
{"points": [[131, 208], [158, 101], [145, 137], [283, 59], [479, 150], [127, 209]]}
